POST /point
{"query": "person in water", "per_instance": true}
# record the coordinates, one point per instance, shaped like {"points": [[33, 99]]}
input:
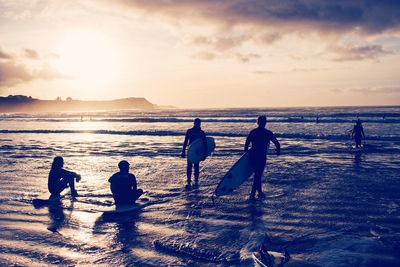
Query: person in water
{"points": [[358, 133], [60, 179], [193, 134], [259, 139], [123, 185]]}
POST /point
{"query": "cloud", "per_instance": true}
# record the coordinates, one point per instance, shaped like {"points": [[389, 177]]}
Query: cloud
{"points": [[293, 70], [4, 55], [365, 52], [222, 47], [31, 54], [247, 57], [269, 37], [262, 72], [384, 90], [336, 91], [308, 69], [13, 71], [205, 55], [264, 22], [12, 74], [220, 42], [369, 16], [210, 55]]}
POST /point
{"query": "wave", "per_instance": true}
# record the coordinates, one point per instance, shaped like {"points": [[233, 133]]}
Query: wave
{"points": [[212, 120], [247, 114], [181, 133]]}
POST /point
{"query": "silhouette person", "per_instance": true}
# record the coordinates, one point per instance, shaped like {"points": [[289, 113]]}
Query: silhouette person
{"points": [[193, 134], [123, 185], [60, 179], [358, 133], [259, 139]]}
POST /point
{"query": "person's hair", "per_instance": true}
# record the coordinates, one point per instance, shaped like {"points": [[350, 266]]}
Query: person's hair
{"points": [[123, 165], [197, 121], [262, 120], [58, 163]]}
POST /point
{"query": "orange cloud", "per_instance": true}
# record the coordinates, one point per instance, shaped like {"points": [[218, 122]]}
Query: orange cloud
{"points": [[13, 71]]}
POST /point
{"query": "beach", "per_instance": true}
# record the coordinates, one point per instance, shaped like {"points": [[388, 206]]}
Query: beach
{"points": [[327, 204]]}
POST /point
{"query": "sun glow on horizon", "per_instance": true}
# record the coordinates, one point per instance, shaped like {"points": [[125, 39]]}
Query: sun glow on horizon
{"points": [[89, 57]]}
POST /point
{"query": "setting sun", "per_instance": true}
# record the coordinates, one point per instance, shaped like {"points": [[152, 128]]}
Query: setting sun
{"points": [[89, 58]]}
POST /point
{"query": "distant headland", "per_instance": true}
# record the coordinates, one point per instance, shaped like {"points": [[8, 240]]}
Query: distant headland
{"points": [[21, 103]]}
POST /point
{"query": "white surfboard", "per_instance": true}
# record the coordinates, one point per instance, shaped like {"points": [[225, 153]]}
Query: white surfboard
{"points": [[195, 152], [239, 173], [258, 260]]}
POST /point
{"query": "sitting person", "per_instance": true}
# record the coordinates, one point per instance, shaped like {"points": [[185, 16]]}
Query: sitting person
{"points": [[59, 179], [123, 185]]}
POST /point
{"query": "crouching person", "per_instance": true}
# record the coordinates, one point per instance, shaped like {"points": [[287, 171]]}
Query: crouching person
{"points": [[60, 179], [123, 185]]}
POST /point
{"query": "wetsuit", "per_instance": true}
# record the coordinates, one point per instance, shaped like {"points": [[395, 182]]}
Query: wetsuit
{"points": [[191, 135], [124, 188], [259, 139], [59, 180]]}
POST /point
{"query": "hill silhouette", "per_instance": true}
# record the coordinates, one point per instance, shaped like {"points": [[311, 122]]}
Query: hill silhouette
{"points": [[21, 103]]}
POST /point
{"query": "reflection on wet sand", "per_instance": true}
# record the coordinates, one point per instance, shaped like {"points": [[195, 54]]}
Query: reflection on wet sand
{"points": [[359, 157], [57, 217]]}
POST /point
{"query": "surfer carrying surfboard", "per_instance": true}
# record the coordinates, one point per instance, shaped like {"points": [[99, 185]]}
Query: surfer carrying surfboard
{"points": [[193, 134], [123, 185], [259, 139], [59, 178]]}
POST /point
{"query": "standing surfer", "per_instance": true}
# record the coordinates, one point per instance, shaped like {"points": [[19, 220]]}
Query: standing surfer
{"points": [[193, 134], [358, 133], [60, 179], [259, 139]]}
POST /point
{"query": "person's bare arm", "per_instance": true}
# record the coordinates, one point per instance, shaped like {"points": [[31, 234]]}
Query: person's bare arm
{"points": [[277, 145], [72, 174]]}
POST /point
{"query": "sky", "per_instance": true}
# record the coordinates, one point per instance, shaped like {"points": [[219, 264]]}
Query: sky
{"points": [[203, 53]]}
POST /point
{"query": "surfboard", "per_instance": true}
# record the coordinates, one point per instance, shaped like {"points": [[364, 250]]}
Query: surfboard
{"points": [[195, 152], [239, 173], [271, 258], [123, 209], [47, 199], [258, 260]]}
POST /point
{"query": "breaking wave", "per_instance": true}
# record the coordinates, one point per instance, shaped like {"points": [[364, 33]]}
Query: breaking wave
{"points": [[180, 133]]}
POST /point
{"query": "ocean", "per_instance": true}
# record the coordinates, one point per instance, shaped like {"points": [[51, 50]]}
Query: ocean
{"points": [[328, 204]]}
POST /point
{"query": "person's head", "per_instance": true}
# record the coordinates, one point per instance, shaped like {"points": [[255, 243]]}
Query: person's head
{"points": [[262, 121], [197, 123], [58, 163], [123, 166]]}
